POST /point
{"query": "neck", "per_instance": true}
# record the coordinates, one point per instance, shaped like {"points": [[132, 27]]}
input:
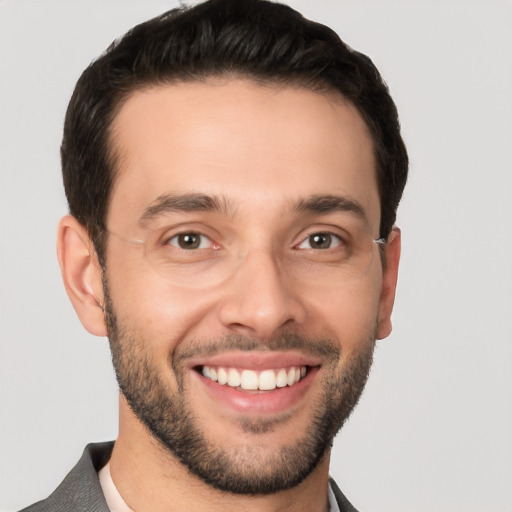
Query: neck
{"points": [[148, 477]]}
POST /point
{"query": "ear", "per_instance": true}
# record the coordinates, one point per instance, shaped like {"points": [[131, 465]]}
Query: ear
{"points": [[389, 280], [82, 274]]}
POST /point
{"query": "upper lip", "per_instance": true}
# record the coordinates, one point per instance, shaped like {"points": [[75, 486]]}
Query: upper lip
{"points": [[255, 360]]}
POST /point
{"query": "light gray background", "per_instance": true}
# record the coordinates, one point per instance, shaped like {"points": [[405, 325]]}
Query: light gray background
{"points": [[433, 430]]}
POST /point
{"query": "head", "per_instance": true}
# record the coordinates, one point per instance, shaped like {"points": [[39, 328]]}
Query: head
{"points": [[222, 164], [263, 41]]}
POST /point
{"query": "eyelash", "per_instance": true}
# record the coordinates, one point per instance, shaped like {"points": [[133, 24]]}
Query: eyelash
{"points": [[190, 234], [331, 238]]}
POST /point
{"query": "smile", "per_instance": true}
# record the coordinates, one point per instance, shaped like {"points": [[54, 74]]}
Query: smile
{"points": [[245, 379]]}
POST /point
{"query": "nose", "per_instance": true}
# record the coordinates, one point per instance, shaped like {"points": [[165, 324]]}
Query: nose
{"points": [[259, 299]]}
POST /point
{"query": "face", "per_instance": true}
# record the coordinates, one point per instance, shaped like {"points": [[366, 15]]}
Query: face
{"points": [[242, 283]]}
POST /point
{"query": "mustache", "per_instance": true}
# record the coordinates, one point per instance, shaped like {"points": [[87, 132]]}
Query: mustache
{"points": [[323, 348]]}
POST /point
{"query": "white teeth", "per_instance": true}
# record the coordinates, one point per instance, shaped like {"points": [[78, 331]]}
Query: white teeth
{"points": [[291, 377], [282, 378], [267, 380], [249, 380], [233, 378], [222, 376]]}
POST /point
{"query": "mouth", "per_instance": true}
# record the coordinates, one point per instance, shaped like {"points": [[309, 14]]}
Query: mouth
{"points": [[251, 380], [254, 387], [254, 382]]}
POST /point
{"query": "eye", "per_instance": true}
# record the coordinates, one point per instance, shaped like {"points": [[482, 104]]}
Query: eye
{"points": [[321, 241], [190, 241]]}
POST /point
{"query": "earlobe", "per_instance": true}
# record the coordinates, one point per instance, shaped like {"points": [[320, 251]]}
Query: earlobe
{"points": [[389, 280], [82, 274]]}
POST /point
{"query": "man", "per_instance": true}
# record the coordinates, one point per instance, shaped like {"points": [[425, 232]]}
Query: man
{"points": [[233, 173]]}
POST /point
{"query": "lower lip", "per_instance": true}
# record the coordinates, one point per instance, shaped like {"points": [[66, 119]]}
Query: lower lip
{"points": [[262, 402]]}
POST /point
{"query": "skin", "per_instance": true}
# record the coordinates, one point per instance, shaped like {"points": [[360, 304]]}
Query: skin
{"points": [[263, 149]]}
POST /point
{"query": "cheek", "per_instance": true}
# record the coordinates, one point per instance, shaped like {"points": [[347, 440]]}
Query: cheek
{"points": [[155, 311], [349, 314]]}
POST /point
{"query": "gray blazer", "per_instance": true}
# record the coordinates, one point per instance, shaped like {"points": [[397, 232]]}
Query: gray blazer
{"points": [[80, 491]]}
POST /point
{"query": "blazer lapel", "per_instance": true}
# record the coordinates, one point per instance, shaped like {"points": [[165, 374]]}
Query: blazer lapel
{"points": [[343, 503], [80, 491]]}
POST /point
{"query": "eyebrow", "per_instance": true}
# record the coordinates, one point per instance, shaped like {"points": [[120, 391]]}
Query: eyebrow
{"points": [[323, 204], [197, 202], [168, 203]]}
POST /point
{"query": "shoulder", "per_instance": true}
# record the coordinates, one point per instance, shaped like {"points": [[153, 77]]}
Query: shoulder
{"points": [[80, 491], [36, 507]]}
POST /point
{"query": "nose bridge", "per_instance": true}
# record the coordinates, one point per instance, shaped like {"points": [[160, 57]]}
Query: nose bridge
{"points": [[260, 297]]}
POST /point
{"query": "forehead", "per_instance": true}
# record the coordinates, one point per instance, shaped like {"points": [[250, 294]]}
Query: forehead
{"points": [[248, 143]]}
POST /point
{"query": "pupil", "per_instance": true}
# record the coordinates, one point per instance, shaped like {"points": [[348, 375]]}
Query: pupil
{"points": [[320, 241], [189, 241]]}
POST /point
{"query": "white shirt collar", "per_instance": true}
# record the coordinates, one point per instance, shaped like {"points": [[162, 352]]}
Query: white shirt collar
{"points": [[114, 500], [116, 503], [333, 504]]}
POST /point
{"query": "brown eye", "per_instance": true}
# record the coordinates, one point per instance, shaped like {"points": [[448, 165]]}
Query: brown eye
{"points": [[320, 241], [190, 241]]}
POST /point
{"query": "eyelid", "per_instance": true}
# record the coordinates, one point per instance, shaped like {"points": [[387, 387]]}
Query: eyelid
{"points": [[335, 236], [334, 229], [201, 235], [169, 232]]}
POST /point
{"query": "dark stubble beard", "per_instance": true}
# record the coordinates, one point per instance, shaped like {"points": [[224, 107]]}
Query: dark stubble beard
{"points": [[170, 420]]}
